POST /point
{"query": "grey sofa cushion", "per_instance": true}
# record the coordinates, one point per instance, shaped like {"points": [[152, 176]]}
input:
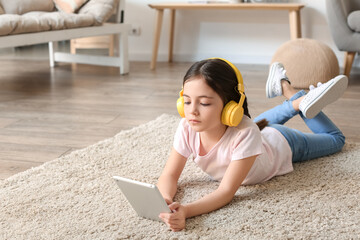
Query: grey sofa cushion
{"points": [[42, 21], [354, 21], [24, 6], [94, 12]]}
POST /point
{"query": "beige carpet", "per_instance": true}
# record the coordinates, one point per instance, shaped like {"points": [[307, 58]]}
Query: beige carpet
{"points": [[74, 197]]}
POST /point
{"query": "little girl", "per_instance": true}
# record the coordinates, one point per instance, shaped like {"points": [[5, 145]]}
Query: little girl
{"points": [[231, 148]]}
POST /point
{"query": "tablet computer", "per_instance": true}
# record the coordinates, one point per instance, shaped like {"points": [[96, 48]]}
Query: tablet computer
{"points": [[144, 198]]}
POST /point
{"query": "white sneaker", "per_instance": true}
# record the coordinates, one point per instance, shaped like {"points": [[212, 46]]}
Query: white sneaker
{"points": [[311, 87], [317, 98], [277, 73]]}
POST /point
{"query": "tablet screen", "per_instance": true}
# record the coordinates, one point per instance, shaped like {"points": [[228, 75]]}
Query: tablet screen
{"points": [[144, 198]]}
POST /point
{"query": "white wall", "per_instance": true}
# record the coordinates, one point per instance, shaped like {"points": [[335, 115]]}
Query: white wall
{"points": [[244, 36]]}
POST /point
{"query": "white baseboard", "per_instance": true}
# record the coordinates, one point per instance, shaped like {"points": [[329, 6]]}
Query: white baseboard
{"points": [[241, 59]]}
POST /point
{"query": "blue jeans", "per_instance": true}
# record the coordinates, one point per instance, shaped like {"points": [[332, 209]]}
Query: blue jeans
{"points": [[326, 138]]}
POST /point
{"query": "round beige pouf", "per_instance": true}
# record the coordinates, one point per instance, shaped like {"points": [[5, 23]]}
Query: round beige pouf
{"points": [[307, 62]]}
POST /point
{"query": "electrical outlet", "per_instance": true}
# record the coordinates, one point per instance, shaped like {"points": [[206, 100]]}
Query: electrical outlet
{"points": [[135, 30]]}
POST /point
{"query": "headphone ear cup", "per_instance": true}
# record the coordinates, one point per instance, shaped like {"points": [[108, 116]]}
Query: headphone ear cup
{"points": [[232, 114], [180, 106], [226, 112], [236, 116]]}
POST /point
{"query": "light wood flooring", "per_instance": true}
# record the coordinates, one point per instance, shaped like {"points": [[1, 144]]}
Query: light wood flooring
{"points": [[46, 113]]}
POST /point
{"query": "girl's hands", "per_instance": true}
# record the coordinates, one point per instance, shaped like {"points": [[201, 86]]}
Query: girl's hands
{"points": [[176, 219], [168, 201]]}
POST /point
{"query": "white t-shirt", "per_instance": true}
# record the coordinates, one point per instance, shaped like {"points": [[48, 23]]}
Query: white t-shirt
{"points": [[245, 140]]}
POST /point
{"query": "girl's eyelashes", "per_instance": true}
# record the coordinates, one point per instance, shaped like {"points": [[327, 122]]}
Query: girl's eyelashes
{"points": [[202, 104], [203, 101]]}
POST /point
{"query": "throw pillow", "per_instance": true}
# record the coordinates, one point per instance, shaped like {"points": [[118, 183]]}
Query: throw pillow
{"points": [[100, 9], [354, 21], [1, 10], [69, 6]]}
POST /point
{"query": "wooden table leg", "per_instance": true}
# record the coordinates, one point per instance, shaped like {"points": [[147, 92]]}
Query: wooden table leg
{"points": [[159, 19], [172, 30], [295, 24], [348, 62]]}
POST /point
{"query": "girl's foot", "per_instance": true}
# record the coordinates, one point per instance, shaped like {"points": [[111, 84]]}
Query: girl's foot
{"points": [[277, 73], [317, 98]]}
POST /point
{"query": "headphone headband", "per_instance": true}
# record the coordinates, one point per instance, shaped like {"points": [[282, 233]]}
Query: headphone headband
{"points": [[237, 73]]}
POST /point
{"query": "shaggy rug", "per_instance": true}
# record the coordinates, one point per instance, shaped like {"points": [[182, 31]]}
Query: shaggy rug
{"points": [[74, 197]]}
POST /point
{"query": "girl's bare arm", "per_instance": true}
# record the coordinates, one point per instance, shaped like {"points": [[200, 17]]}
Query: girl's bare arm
{"points": [[167, 182], [234, 176]]}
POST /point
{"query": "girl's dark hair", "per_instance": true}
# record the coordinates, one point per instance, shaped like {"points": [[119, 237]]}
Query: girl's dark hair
{"points": [[222, 79]]}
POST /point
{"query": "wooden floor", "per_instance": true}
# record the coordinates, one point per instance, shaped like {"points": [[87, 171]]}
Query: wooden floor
{"points": [[46, 113]]}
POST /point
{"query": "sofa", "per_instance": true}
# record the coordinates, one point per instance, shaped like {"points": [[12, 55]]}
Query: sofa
{"points": [[344, 22], [28, 22]]}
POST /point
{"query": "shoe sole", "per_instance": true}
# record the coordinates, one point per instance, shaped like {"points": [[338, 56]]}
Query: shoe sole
{"points": [[271, 75], [333, 92]]}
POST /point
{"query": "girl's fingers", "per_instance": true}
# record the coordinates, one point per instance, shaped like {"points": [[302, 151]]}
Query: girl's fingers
{"points": [[173, 206], [168, 217], [173, 220], [164, 216], [168, 201]]}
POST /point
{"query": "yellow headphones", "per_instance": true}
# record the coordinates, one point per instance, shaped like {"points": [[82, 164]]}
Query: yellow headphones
{"points": [[233, 112]]}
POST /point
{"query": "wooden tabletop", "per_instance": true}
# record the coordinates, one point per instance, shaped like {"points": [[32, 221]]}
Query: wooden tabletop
{"points": [[292, 8], [265, 6]]}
